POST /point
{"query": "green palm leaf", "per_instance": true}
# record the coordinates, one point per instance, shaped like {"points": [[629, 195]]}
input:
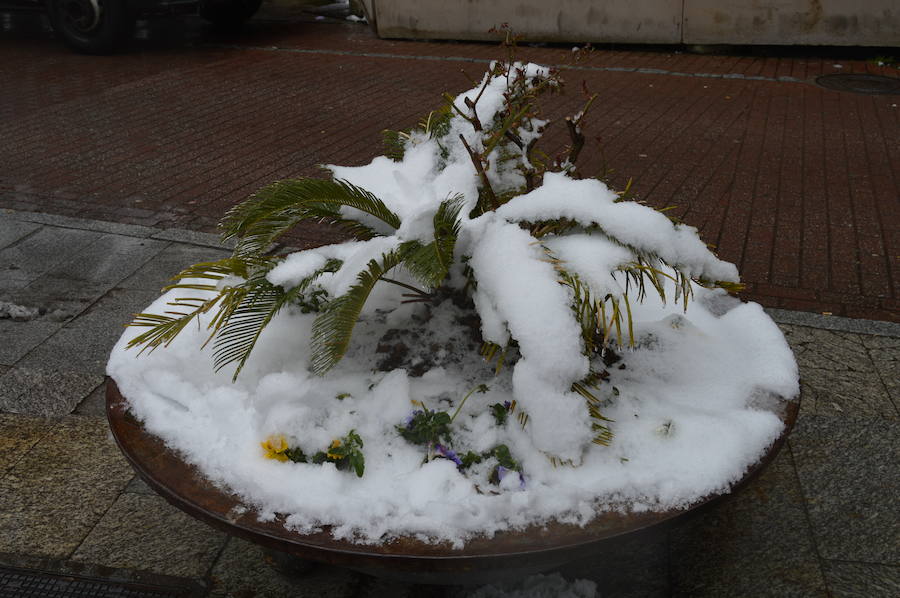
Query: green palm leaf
{"points": [[431, 262], [276, 208], [163, 328], [333, 328], [241, 319], [245, 322]]}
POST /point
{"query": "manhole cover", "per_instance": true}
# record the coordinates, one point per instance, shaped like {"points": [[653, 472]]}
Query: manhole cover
{"points": [[859, 83], [22, 583]]}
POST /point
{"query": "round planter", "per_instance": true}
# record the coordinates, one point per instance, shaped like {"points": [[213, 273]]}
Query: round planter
{"points": [[505, 555]]}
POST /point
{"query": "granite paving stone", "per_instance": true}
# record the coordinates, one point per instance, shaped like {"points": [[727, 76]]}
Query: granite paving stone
{"points": [[242, 571], [110, 258], [12, 230], [102, 226], [59, 298], [10, 283], [634, 568], [45, 391], [94, 404], [43, 250], [18, 433], [84, 344], [139, 486], [849, 469], [885, 353], [18, 338], [374, 587], [756, 543], [837, 374], [147, 533], [181, 235], [52, 497], [862, 580]]}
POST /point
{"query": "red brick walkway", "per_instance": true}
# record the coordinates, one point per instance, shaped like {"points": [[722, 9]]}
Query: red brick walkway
{"points": [[797, 185]]}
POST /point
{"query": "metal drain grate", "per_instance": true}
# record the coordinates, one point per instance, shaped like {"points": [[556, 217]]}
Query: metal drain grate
{"points": [[860, 83], [21, 583]]}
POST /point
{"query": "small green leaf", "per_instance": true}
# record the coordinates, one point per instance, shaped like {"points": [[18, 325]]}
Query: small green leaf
{"points": [[500, 413]]}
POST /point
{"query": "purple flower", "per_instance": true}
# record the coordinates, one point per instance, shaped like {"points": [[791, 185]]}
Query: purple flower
{"points": [[409, 418], [507, 404], [502, 472], [447, 453]]}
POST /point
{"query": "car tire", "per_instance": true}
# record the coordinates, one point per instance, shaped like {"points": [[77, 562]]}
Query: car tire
{"points": [[228, 14], [92, 26]]}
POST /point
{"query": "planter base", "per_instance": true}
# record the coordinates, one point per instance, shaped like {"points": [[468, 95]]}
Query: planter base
{"points": [[505, 556]]}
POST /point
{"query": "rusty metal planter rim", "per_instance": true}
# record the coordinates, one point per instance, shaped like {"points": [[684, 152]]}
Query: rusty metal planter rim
{"points": [[534, 548]]}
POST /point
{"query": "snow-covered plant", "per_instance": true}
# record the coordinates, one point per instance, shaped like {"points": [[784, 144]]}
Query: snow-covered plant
{"points": [[465, 207]]}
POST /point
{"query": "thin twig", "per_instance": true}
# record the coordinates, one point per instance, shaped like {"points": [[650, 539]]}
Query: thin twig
{"points": [[514, 138], [577, 140], [474, 118], [479, 167]]}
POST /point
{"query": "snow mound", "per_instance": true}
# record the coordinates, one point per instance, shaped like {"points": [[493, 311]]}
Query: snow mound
{"points": [[685, 404]]}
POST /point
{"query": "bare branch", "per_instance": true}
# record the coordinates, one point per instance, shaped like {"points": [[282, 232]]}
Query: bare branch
{"points": [[474, 118], [514, 138], [577, 140], [479, 167]]}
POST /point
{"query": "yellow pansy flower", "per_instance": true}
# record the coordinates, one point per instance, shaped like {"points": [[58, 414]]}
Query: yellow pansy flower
{"points": [[334, 444], [275, 446]]}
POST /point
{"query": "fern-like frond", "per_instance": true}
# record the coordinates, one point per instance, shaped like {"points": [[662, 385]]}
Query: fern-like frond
{"points": [[437, 123], [248, 310], [431, 262], [333, 328], [276, 208], [163, 328], [239, 266], [602, 433], [239, 332], [394, 144]]}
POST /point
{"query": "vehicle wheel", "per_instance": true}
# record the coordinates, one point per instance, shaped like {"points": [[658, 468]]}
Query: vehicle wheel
{"points": [[228, 14], [92, 26]]}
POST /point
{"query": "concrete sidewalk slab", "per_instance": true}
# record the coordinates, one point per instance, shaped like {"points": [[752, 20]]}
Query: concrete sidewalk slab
{"points": [[59, 490], [763, 545], [854, 509], [841, 377], [128, 537]]}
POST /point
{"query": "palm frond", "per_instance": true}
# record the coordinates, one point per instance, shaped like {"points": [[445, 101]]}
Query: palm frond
{"points": [[276, 208], [229, 266], [163, 328], [437, 123], [333, 328], [394, 144], [244, 315], [431, 262], [247, 318], [602, 433]]}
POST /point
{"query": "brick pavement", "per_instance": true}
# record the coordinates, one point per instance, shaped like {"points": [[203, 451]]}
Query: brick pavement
{"points": [[796, 184]]}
